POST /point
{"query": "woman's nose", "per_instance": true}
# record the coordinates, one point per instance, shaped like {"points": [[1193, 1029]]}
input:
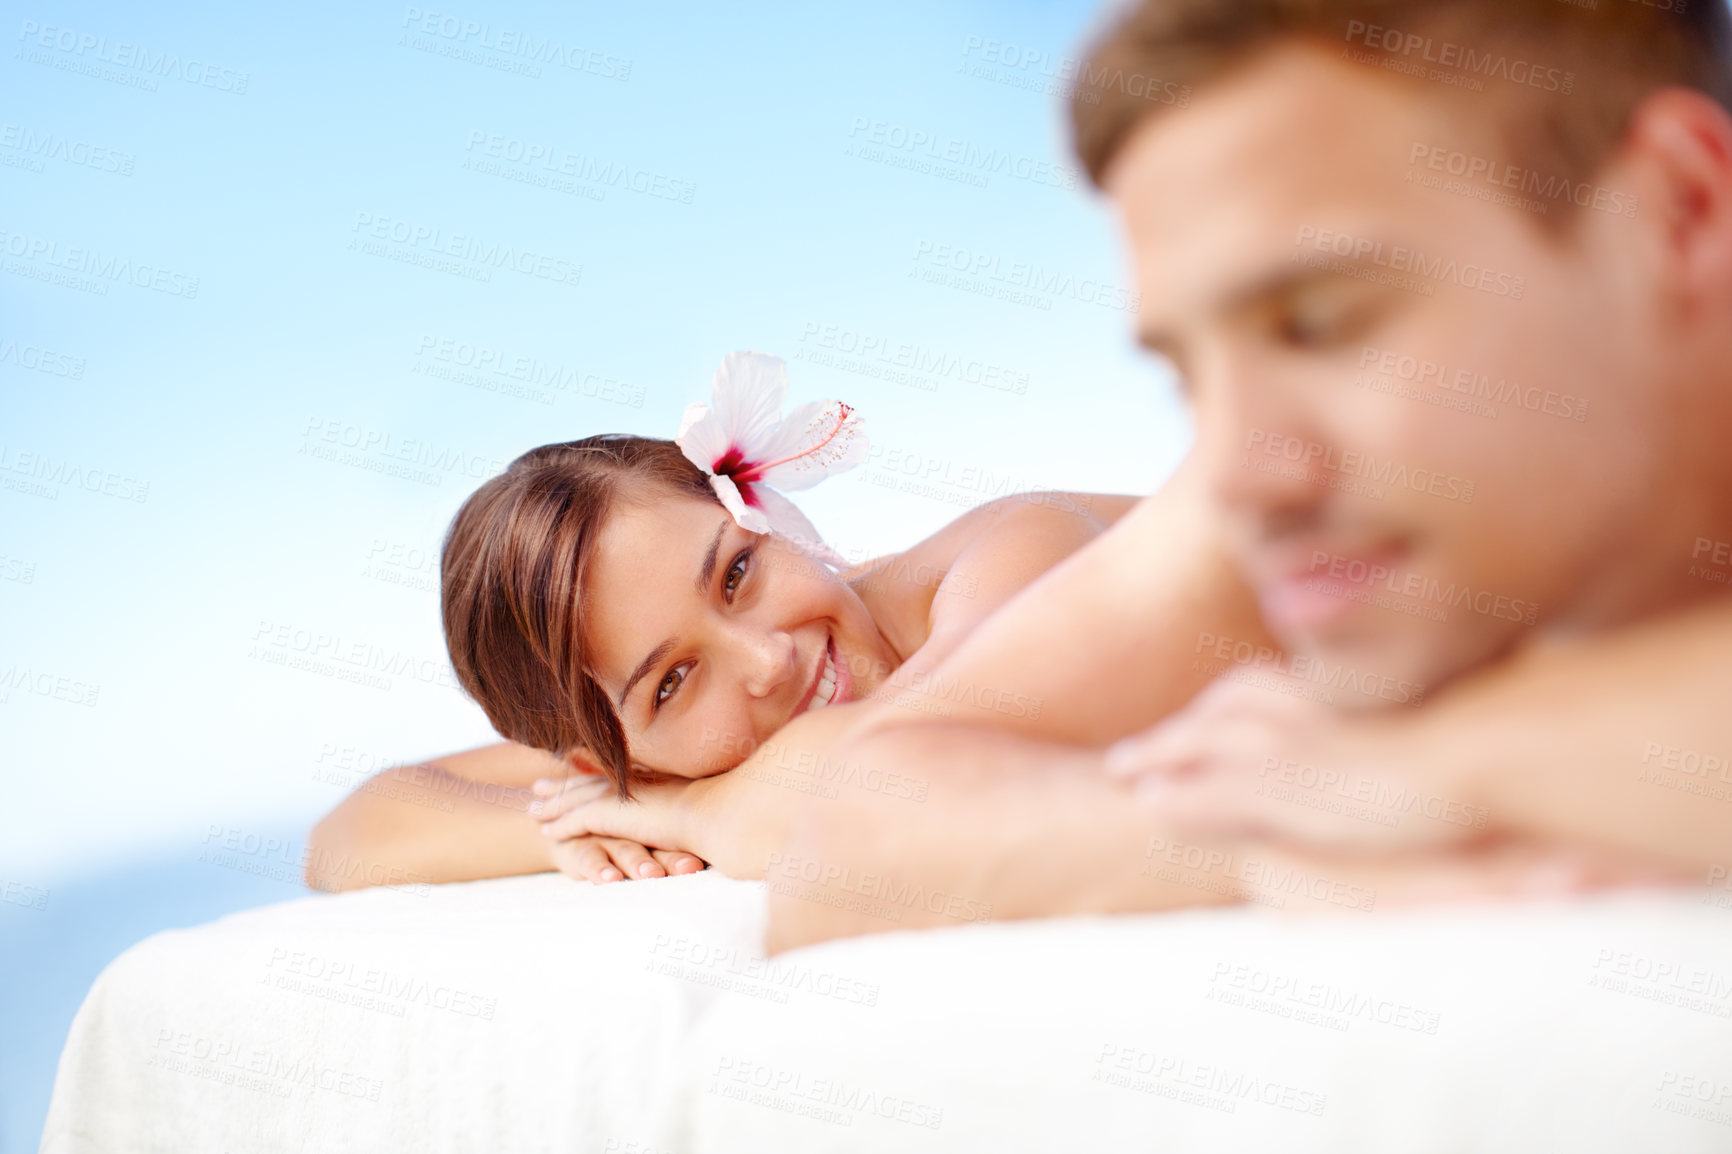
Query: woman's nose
{"points": [[770, 662]]}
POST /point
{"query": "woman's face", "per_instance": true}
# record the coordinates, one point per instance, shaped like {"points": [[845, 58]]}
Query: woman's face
{"points": [[709, 638]]}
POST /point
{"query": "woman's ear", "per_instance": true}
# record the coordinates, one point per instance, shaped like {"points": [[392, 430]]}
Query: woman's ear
{"points": [[580, 763]]}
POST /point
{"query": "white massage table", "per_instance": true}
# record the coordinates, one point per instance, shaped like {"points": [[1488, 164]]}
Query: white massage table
{"points": [[542, 1014]]}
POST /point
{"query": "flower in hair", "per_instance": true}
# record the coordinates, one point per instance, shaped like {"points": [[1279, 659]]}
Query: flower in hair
{"points": [[751, 451]]}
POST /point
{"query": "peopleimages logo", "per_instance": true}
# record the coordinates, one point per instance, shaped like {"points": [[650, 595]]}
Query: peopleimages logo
{"points": [[982, 54], [1365, 580], [1410, 261], [428, 241], [526, 47], [1347, 463], [993, 271], [924, 362], [83, 47], [1477, 385], [870, 136], [1297, 667], [1448, 54], [1526, 181], [101, 266], [39, 146], [41, 360]]}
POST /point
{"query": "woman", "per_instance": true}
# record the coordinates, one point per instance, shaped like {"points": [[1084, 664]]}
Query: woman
{"points": [[639, 609]]}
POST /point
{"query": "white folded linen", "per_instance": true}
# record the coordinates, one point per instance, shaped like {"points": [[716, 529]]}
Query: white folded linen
{"points": [[1595, 1025], [524, 1014], [537, 1013]]}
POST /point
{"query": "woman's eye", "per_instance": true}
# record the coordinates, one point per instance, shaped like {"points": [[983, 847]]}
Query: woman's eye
{"points": [[670, 684], [736, 574]]}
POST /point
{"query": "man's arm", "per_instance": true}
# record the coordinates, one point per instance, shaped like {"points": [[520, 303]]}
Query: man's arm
{"points": [[1622, 741], [1004, 828], [1619, 743], [1015, 828]]}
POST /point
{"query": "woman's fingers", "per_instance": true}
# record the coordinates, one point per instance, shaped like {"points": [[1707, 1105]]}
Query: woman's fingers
{"points": [[573, 823], [586, 859], [678, 861], [560, 812], [632, 859], [611, 859]]}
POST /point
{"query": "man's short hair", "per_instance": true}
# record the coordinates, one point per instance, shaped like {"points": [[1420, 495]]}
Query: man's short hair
{"points": [[1562, 79]]}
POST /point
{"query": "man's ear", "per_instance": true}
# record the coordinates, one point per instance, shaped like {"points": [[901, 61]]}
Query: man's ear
{"points": [[1685, 140]]}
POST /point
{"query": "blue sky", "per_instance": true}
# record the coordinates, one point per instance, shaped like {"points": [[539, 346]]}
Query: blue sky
{"points": [[279, 287]]}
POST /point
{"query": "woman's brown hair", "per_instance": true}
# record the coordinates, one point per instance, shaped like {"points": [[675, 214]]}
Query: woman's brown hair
{"points": [[511, 576]]}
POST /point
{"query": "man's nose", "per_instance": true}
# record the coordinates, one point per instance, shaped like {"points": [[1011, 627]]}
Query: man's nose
{"points": [[1261, 457]]}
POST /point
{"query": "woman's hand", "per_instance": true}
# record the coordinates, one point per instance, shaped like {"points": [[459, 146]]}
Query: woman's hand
{"points": [[596, 857], [1260, 761], [612, 859]]}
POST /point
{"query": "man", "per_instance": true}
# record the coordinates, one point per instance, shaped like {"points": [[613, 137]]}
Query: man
{"points": [[1449, 286]]}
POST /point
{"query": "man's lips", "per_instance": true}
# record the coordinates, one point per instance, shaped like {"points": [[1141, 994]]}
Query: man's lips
{"points": [[1304, 589]]}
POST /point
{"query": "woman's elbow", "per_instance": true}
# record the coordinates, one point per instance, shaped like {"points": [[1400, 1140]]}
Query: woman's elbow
{"points": [[330, 845]]}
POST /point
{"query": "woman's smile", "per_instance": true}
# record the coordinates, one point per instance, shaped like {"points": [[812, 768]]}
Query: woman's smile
{"points": [[831, 683], [701, 668]]}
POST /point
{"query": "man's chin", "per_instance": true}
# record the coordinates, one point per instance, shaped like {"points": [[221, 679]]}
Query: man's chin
{"points": [[1361, 669]]}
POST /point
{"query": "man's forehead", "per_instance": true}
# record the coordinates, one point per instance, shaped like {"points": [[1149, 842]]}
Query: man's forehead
{"points": [[1293, 102], [1291, 138]]}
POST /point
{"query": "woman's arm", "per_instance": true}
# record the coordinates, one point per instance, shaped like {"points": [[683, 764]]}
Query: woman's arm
{"points": [[1099, 647], [459, 818], [466, 816]]}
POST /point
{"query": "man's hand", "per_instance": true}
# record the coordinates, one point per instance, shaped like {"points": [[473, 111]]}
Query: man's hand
{"points": [[1254, 761]]}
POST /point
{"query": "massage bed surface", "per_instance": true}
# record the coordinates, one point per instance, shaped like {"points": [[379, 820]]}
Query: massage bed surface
{"points": [[542, 1014]]}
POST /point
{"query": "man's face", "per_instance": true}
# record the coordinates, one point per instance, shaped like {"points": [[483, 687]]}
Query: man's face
{"points": [[1430, 425]]}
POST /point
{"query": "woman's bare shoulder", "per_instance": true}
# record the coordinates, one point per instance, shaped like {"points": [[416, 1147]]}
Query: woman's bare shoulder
{"points": [[899, 589], [944, 546]]}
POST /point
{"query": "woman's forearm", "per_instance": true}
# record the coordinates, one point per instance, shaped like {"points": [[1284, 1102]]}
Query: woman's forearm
{"points": [[459, 818], [1621, 741]]}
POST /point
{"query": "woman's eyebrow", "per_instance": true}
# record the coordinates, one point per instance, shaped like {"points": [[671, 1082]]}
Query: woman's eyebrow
{"points": [[654, 659], [708, 568]]}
